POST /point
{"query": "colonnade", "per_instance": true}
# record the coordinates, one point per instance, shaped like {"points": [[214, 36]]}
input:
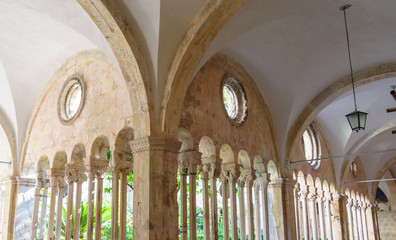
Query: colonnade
{"points": [[243, 193], [74, 173]]}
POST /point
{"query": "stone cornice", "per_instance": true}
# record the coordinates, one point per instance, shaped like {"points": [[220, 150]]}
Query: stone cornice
{"points": [[155, 143]]}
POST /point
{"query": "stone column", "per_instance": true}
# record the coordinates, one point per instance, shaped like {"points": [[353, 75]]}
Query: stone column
{"points": [[224, 185], [250, 176], [257, 225], [213, 174], [43, 215], [303, 198], [359, 220], [91, 193], [231, 171], [155, 188], [59, 212], [297, 209], [263, 181], [10, 203], [77, 214], [99, 199], [350, 221], [355, 221], [339, 216], [37, 190], [71, 178], [183, 169], [373, 233], [194, 159], [312, 212], [282, 190], [241, 199], [57, 181], [363, 208], [121, 163], [204, 175], [319, 201]]}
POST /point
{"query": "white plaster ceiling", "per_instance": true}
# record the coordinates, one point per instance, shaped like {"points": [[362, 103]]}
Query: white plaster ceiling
{"points": [[296, 49], [36, 38]]}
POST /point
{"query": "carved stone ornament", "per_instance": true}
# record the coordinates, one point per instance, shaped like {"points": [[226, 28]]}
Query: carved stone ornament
{"points": [[155, 143]]}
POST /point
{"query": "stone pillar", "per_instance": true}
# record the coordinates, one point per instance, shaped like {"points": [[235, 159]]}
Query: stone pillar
{"points": [[245, 180], [183, 169], [224, 185], [194, 158], [282, 190], [59, 211], [43, 215], [231, 171], [155, 188], [99, 200], [70, 178], [10, 203], [297, 210], [257, 225], [312, 212], [350, 221], [319, 201], [329, 226], [91, 193], [263, 180], [303, 198], [363, 208], [372, 223], [340, 216], [121, 163], [359, 220], [77, 214], [204, 175], [42, 183], [56, 175], [213, 174]]}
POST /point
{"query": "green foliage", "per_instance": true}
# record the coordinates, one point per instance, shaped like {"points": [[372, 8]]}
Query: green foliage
{"points": [[106, 219]]}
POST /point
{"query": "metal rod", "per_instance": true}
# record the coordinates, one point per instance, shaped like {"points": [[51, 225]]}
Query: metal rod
{"points": [[343, 8], [345, 156], [372, 180], [5, 162]]}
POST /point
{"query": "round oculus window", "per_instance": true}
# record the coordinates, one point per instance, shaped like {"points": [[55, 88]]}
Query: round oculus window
{"points": [[71, 99], [234, 99]]}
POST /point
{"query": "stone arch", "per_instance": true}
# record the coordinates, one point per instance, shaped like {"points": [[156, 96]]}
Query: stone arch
{"points": [[387, 165], [78, 154], [131, 57], [347, 192], [43, 164], [244, 159], [7, 139], [301, 178], [259, 164], [185, 137], [100, 147], [310, 180], [226, 154], [207, 147], [328, 95], [318, 183], [60, 160], [273, 169], [123, 138], [326, 186], [203, 29]]}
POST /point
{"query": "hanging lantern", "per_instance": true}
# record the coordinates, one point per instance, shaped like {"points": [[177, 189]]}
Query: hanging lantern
{"points": [[357, 120]]}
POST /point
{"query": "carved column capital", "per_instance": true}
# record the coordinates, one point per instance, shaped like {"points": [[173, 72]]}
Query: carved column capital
{"points": [[189, 161], [230, 171], [203, 171], [246, 177], [303, 193], [75, 172], [312, 194], [121, 162]]}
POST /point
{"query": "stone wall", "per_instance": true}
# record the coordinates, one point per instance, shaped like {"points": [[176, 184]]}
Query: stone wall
{"points": [[204, 114], [387, 224], [106, 111]]}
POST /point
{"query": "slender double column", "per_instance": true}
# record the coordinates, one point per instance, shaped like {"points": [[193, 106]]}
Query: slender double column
{"points": [[57, 182], [319, 201], [75, 175], [303, 194], [194, 160], [257, 211], [42, 183], [183, 170], [231, 172], [245, 182], [263, 180], [120, 164], [213, 175], [327, 204], [354, 219], [363, 208], [312, 212], [297, 210], [350, 221], [204, 176]]}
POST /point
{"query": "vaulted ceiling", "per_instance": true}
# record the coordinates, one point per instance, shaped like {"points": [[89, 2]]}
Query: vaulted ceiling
{"points": [[293, 50]]}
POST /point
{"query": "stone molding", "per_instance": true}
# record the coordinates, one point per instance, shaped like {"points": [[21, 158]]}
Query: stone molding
{"points": [[122, 162], [282, 182], [156, 144], [246, 177], [229, 172], [75, 172]]}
